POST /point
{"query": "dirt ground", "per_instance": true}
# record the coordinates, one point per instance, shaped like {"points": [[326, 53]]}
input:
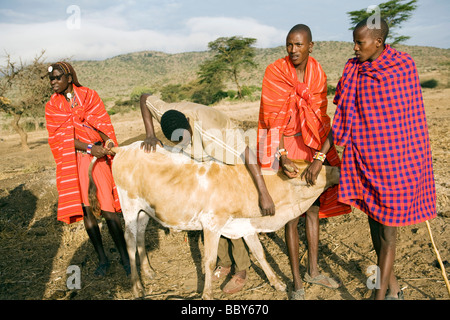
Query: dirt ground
{"points": [[36, 250]]}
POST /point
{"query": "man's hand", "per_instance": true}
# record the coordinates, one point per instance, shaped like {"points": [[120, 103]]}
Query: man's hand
{"points": [[312, 172], [289, 168], [266, 205], [149, 144], [100, 152]]}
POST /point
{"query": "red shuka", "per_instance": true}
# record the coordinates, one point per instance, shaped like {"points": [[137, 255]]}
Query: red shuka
{"points": [[284, 100], [83, 116]]}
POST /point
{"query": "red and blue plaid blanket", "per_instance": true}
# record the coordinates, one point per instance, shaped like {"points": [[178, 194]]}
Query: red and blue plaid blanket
{"points": [[386, 169]]}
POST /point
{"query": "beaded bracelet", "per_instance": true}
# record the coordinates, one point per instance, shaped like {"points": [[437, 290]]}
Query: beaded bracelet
{"points": [[89, 148], [281, 152], [320, 156]]}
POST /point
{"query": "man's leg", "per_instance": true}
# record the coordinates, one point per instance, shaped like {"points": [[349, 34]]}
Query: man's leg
{"points": [[240, 256], [312, 236], [292, 242], [223, 260], [116, 232], [242, 263], [93, 231], [384, 241]]}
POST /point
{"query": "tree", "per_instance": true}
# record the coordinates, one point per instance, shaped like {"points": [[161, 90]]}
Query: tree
{"points": [[394, 12], [23, 91], [232, 55]]}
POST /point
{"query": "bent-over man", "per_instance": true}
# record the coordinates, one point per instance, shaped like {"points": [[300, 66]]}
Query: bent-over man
{"points": [[207, 133]]}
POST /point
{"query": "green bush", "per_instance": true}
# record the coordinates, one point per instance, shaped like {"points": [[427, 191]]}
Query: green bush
{"points": [[31, 125], [249, 93], [121, 103], [246, 91], [207, 95], [429, 84], [331, 90], [174, 93], [122, 106], [231, 94]]}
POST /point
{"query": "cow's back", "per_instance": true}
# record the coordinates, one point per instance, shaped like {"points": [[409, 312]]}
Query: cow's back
{"points": [[181, 189]]}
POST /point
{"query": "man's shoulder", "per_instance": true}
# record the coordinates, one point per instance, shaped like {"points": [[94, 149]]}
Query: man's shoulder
{"points": [[316, 64], [407, 58], [87, 94], [401, 58], [278, 63]]}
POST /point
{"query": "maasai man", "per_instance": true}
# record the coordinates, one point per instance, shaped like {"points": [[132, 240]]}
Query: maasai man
{"points": [[293, 119], [79, 128], [207, 133], [386, 166]]}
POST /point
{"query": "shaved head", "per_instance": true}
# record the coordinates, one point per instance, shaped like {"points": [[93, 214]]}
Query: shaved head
{"points": [[301, 28], [380, 31]]}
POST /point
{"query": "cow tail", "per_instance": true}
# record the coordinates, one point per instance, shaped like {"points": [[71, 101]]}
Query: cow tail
{"points": [[92, 192]]}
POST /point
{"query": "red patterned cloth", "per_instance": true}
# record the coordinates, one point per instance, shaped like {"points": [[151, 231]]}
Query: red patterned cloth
{"points": [[299, 110], [81, 119], [387, 169]]}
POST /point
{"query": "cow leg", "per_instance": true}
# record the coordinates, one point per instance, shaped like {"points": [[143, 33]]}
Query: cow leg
{"points": [[211, 243], [146, 269], [255, 246], [130, 238], [130, 211]]}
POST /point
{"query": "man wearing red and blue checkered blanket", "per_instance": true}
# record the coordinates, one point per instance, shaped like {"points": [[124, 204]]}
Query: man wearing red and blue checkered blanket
{"points": [[387, 166]]}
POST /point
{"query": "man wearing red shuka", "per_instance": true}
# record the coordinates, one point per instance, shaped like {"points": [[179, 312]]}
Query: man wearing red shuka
{"points": [[293, 119], [78, 129]]}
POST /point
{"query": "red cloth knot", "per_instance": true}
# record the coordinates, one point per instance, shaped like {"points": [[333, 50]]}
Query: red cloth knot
{"points": [[303, 91]]}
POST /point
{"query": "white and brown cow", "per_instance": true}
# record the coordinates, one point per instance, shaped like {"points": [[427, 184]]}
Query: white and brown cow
{"points": [[221, 200]]}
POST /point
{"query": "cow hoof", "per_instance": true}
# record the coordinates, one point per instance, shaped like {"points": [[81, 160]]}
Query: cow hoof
{"points": [[149, 274], [138, 290], [280, 286], [207, 296]]}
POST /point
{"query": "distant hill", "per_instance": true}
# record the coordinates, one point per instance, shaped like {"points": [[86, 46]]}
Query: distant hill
{"points": [[116, 77]]}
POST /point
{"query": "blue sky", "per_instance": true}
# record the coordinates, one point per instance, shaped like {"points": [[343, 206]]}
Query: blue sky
{"points": [[102, 29]]}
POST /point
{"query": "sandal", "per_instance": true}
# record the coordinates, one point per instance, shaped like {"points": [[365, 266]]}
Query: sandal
{"points": [[102, 269], [333, 284], [298, 294], [399, 296]]}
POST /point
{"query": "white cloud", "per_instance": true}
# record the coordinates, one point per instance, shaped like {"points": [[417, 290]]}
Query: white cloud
{"points": [[97, 40], [215, 27], [116, 27]]}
